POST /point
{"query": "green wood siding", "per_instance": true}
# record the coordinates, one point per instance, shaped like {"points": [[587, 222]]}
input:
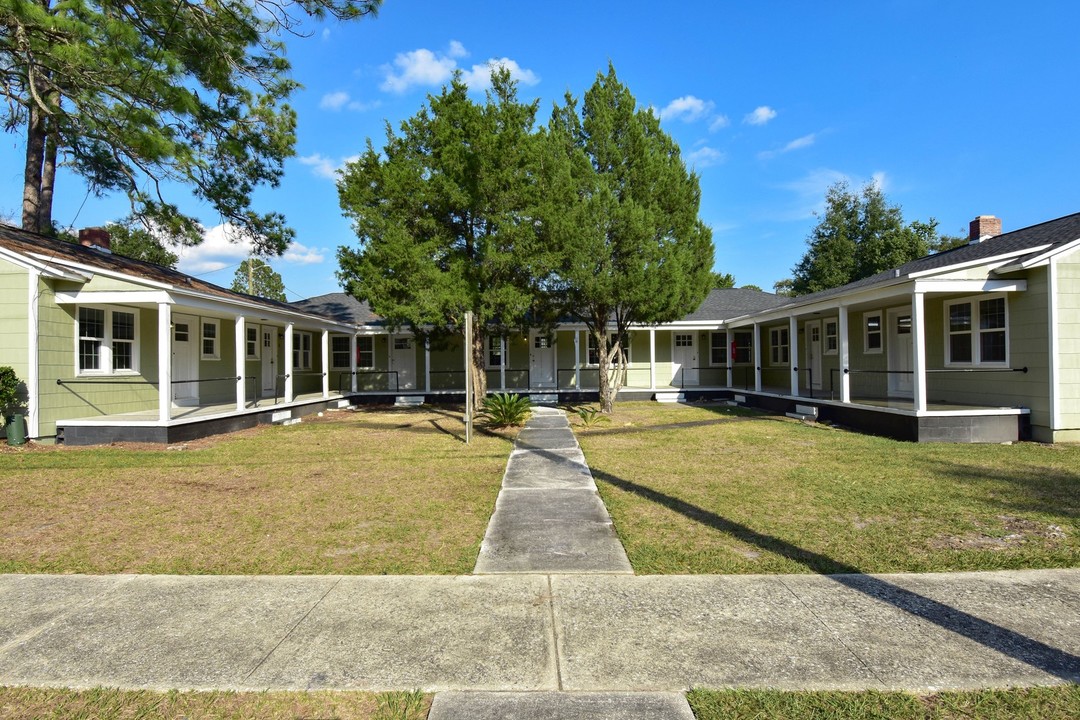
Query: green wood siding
{"points": [[1068, 287], [14, 331]]}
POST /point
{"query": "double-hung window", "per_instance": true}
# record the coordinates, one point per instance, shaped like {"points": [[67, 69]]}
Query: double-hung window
{"points": [[743, 350], [718, 348], [977, 331], [594, 353], [872, 332], [302, 351], [339, 351], [251, 342], [778, 346], [365, 351], [831, 335], [495, 356], [211, 334], [108, 341]]}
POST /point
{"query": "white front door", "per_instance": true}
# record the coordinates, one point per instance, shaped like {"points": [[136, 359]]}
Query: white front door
{"points": [[268, 358], [683, 359], [185, 360], [901, 355], [403, 361], [541, 360], [813, 354]]}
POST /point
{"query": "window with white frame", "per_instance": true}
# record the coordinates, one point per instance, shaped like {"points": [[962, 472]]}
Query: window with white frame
{"points": [[365, 351], [495, 357], [872, 332], [594, 354], [832, 344], [211, 334], [339, 351], [743, 347], [778, 346], [301, 351], [718, 348], [251, 342], [976, 331], [107, 341]]}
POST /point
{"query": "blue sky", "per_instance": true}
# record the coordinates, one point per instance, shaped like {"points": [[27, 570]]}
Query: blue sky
{"points": [[956, 108]]}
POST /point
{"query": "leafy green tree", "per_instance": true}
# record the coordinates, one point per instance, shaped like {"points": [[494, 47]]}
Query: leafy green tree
{"points": [[723, 280], [128, 239], [256, 277], [134, 96], [860, 235], [620, 210], [783, 287], [444, 218], [752, 287]]}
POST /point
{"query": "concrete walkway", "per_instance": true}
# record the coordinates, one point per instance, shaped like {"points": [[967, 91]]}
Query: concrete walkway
{"points": [[542, 633], [548, 516]]}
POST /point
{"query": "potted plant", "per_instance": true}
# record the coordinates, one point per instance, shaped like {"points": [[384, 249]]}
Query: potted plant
{"points": [[9, 394]]}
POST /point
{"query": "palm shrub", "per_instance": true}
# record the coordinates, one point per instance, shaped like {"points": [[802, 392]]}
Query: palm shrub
{"points": [[505, 409], [590, 416]]}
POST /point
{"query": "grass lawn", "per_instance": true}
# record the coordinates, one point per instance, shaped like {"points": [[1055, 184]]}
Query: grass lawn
{"points": [[42, 703], [711, 489], [366, 492], [1056, 703]]}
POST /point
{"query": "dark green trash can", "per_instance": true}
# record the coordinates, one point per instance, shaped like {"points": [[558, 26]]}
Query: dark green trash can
{"points": [[16, 430]]}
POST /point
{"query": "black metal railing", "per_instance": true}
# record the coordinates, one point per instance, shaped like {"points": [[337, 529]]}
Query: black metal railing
{"points": [[345, 379], [879, 384]]}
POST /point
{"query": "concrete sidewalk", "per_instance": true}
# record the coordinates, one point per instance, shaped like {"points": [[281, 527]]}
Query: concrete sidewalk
{"points": [[548, 517], [542, 633]]}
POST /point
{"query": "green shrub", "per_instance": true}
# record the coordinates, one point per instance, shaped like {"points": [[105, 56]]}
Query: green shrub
{"points": [[9, 392], [590, 416], [505, 409]]}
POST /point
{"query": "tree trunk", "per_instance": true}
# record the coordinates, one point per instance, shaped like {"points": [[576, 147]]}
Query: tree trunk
{"points": [[35, 159], [48, 181], [479, 371], [607, 395]]}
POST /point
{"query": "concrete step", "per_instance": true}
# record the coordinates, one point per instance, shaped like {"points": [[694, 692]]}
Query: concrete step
{"points": [[559, 706], [670, 396], [544, 398], [408, 401]]}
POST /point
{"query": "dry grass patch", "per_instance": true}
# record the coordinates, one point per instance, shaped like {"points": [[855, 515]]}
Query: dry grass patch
{"points": [[19, 703], [368, 492], [712, 489]]}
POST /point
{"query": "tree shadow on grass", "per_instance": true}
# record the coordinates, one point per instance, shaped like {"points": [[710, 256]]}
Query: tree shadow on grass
{"points": [[1046, 658], [1023, 487]]}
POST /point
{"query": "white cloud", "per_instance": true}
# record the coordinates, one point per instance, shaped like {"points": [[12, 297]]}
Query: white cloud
{"points": [[325, 167], [479, 77], [811, 188], [706, 157], [420, 67], [760, 116], [796, 144], [686, 108], [326, 34], [457, 50], [879, 180], [359, 106], [719, 123], [222, 248], [334, 101]]}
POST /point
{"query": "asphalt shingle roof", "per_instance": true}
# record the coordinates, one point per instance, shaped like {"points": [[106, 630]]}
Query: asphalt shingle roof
{"points": [[726, 303], [341, 307]]}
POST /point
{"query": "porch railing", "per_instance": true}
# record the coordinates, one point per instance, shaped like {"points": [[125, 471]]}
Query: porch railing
{"points": [[875, 384], [345, 380]]}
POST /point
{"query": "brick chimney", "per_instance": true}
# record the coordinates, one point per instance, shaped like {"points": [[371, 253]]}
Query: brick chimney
{"points": [[95, 237], [983, 227]]}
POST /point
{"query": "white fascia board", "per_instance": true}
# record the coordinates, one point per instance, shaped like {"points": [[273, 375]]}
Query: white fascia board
{"points": [[229, 307], [962, 286], [874, 294], [91, 270], [44, 268], [112, 297], [1040, 259], [991, 262]]}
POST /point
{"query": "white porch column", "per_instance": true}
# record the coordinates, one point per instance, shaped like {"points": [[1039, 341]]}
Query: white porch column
{"points": [[652, 359], [918, 332], [793, 354], [352, 362], [240, 343], [326, 364], [757, 358], [33, 378], [288, 363], [577, 359], [427, 365], [164, 361], [729, 337], [845, 351], [502, 363]]}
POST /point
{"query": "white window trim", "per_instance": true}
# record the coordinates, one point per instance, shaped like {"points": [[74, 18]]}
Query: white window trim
{"points": [[248, 329], [334, 353], [611, 337], [825, 336], [360, 351], [976, 346], [867, 350], [216, 355], [749, 348], [300, 339], [494, 347], [726, 345], [775, 345], [105, 352]]}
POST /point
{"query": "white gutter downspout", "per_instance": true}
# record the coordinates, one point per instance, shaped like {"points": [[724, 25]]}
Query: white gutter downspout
{"points": [[1055, 358], [33, 400]]}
